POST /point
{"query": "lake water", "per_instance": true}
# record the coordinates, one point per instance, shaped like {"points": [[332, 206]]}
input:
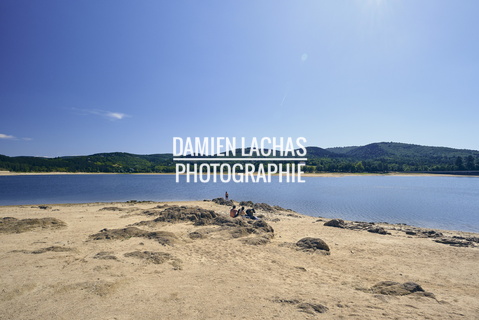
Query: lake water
{"points": [[433, 202]]}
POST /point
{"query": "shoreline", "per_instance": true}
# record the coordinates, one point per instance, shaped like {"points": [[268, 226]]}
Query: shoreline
{"points": [[151, 260], [186, 202], [319, 175]]}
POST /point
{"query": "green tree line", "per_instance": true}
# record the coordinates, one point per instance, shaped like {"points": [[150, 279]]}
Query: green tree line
{"points": [[374, 158]]}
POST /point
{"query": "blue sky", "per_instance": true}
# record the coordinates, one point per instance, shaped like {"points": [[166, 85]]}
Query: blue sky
{"points": [[83, 77]]}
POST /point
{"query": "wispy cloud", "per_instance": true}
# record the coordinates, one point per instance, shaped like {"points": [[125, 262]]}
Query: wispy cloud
{"points": [[115, 115], [112, 116], [6, 136], [9, 137]]}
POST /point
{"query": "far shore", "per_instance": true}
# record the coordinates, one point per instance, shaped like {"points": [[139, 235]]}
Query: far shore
{"points": [[321, 174]]}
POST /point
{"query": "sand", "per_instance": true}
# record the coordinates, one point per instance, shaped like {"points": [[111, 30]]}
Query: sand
{"points": [[181, 270], [320, 174]]}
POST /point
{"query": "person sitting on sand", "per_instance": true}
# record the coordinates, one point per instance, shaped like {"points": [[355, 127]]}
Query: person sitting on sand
{"points": [[233, 212], [250, 214], [241, 212]]}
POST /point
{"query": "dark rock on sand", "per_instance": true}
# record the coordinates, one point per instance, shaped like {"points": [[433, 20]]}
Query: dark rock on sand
{"points": [[356, 225], [379, 230], [399, 289], [52, 249], [263, 207], [257, 241], [163, 237], [360, 225], [312, 244], [306, 307], [337, 223], [241, 231], [237, 227], [105, 255], [48, 249], [312, 308], [13, 225], [246, 203], [177, 214], [196, 235], [471, 239], [223, 202], [432, 234], [455, 242], [150, 256], [112, 209], [263, 226], [278, 208], [294, 215], [286, 301]]}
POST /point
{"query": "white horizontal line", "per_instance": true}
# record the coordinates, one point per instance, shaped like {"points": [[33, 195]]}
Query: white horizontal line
{"points": [[240, 159]]}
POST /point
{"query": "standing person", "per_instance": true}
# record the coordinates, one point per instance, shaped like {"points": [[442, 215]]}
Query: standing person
{"points": [[233, 212], [226, 195]]}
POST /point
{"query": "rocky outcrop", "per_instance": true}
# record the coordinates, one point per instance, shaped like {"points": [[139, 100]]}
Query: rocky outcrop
{"points": [[336, 223], [13, 225], [356, 225], [379, 230], [163, 237], [223, 202], [235, 227]]}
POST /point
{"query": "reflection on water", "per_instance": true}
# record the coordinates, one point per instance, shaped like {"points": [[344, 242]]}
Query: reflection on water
{"points": [[435, 202]]}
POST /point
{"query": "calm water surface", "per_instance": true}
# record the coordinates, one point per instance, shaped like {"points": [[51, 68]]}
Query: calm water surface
{"points": [[433, 202]]}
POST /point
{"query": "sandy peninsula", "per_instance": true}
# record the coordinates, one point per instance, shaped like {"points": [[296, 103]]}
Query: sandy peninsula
{"points": [[189, 260]]}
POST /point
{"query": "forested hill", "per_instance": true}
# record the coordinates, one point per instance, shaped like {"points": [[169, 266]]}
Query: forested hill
{"points": [[394, 156], [375, 157], [395, 149], [102, 162]]}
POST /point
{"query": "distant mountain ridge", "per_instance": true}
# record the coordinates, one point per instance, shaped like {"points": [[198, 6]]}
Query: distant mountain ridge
{"points": [[391, 149], [374, 157]]}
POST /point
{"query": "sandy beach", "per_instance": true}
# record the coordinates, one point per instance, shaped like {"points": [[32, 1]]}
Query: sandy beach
{"points": [[321, 174], [189, 260]]}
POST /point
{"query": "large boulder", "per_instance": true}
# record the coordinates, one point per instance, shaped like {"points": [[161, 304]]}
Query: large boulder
{"points": [[312, 244]]}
